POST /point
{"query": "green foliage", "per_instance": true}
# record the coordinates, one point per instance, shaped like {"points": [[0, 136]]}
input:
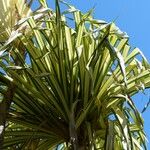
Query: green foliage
{"points": [[73, 86]]}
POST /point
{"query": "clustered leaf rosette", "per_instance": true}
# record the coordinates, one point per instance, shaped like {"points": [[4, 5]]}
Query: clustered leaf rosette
{"points": [[73, 84]]}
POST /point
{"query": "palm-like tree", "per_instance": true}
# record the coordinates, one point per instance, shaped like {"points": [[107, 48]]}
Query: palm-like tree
{"points": [[72, 86], [13, 11]]}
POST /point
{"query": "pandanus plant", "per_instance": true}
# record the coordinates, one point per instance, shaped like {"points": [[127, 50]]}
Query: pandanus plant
{"points": [[69, 86]]}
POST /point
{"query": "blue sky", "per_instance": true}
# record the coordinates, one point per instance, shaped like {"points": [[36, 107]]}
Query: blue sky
{"points": [[133, 18]]}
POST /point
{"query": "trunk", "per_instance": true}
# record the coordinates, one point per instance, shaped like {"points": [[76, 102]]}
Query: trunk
{"points": [[78, 140], [82, 147], [73, 133], [2, 123], [76, 146], [4, 108], [79, 146]]}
